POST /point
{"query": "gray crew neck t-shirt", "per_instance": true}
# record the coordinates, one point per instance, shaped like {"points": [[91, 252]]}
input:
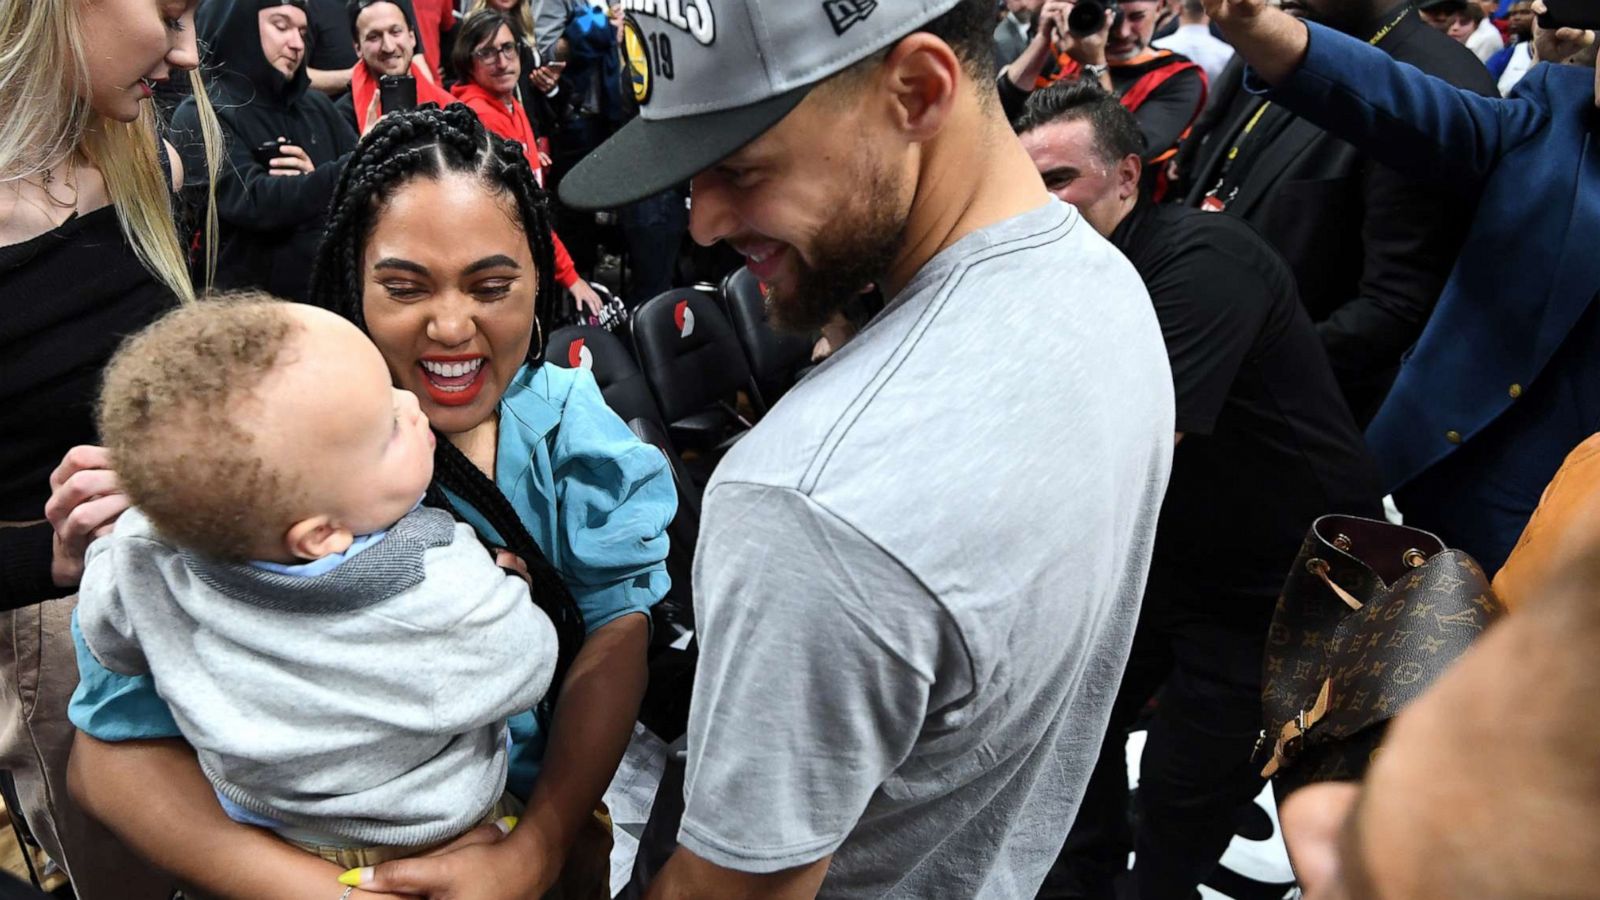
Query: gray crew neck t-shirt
{"points": [[917, 579]]}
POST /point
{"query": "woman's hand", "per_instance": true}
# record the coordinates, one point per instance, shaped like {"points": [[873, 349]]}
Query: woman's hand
{"points": [[85, 501], [505, 559], [291, 161], [584, 297], [483, 864]]}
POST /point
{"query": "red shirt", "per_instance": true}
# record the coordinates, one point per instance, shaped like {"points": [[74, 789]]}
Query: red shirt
{"points": [[434, 18], [511, 122]]}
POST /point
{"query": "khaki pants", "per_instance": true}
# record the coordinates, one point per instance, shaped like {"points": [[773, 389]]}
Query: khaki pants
{"points": [[38, 673]]}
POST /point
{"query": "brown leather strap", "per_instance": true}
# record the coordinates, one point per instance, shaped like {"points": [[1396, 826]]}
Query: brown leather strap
{"points": [[1319, 568], [1296, 728]]}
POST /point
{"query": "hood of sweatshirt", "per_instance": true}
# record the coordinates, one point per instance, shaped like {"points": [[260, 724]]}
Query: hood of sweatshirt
{"points": [[230, 35]]}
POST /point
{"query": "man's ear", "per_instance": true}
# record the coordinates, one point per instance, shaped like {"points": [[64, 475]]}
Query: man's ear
{"points": [[1129, 171], [923, 75], [316, 537]]}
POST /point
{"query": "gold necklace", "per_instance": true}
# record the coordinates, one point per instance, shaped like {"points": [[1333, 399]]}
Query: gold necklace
{"points": [[71, 183]]}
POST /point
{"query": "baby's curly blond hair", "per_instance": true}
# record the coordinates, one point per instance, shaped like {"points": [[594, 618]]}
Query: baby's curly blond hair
{"points": [[173, 415]]}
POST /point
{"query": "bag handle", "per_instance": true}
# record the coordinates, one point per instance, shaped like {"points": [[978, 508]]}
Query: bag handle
{"points": [[1295, 729], [1319, 568]]}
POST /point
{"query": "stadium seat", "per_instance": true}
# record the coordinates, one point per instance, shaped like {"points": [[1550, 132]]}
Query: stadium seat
{"points": [[776, 359]]}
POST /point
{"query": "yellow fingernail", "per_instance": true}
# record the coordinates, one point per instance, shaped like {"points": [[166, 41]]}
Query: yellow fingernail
{"points": [[354, 877], [509, 822]]}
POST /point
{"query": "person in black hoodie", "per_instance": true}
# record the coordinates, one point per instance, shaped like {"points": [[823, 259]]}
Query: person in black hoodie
{"points": [[270, 215]]}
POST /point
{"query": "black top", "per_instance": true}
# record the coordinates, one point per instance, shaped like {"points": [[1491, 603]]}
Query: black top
{"points": [[270, 225], [1269, 444], [333, 46], [67, 298], [1370, 248]]}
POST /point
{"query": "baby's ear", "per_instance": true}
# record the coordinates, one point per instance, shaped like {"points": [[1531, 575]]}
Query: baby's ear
{"points": [[316, 537]]}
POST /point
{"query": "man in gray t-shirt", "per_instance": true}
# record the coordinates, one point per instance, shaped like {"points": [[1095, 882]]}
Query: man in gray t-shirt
{"points": [[917, 578]]}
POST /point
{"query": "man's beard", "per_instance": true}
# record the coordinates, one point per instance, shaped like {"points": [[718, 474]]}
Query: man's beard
{"points": [[855, 252]]}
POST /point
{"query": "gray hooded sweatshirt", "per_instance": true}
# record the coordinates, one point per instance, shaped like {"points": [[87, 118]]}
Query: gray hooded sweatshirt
{"points": [[368, 703]]}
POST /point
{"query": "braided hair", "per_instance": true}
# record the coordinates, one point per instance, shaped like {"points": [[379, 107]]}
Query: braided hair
{"points": [[429, 143]]}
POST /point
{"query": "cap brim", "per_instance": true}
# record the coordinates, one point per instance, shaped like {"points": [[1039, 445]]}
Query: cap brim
{"points": [[645, 157]]}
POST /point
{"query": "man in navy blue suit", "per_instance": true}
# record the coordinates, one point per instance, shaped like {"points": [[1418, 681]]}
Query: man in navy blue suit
{"points": [[1505, 379]]}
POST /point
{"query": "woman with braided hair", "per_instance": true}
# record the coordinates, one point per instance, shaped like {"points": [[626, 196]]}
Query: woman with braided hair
{"points": [[438, 247]]}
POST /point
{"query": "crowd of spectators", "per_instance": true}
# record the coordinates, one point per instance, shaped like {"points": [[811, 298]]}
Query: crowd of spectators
{"points": [[321, 577]]}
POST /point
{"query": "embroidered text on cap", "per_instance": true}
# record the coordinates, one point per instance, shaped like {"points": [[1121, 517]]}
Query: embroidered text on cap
{"points": [[691, 16]]}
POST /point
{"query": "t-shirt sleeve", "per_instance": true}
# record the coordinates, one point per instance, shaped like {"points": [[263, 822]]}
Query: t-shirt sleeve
{"points": [[817, 667], [1211, 307], [614, 500]]}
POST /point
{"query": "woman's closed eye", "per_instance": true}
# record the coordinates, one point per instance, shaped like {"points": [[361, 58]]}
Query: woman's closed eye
{"points": [[403, 290], [493, 288]]}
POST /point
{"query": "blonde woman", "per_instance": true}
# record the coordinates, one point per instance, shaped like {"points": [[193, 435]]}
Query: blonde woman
{"points": [[88, 252]]}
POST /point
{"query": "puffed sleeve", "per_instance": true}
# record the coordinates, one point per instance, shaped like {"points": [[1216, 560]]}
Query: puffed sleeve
{"points": [[113, 707], [614, 500]]}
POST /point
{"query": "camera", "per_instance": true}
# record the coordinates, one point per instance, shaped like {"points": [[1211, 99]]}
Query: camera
{"points": [[1089, 16], [267, 152]]}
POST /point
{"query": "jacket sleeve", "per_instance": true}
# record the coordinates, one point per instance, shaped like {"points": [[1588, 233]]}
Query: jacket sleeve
{"points": [[548, 24], [614, 500], [566, 271], [1410, 236], [1422, 125], [25, 554], [247, 197]]}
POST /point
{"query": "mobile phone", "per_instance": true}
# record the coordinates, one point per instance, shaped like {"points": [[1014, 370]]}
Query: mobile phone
{"points": [[397, 92], [267, 152], [1570, 14], [557, 66]]}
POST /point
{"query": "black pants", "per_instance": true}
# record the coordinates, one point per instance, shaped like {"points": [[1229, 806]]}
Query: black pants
{"points": [[1202, 651], [654, 228], [577, 137]]}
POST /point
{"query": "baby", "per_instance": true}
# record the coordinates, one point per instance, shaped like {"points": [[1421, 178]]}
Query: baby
{"points": [[342, 659]]}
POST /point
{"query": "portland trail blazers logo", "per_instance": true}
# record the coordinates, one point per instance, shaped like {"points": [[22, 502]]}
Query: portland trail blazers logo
{"points": [[684, 317], [846, 13], [579, 356]]}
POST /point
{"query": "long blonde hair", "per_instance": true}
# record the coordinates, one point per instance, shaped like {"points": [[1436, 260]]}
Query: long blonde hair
{"points": [[43, 89], [523, 15]]}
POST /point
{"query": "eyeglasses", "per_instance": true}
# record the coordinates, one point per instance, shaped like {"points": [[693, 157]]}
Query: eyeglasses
{"points": [[487, 55]]}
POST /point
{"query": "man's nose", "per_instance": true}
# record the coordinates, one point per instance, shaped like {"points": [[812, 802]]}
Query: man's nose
{"points": [[711, 218]]}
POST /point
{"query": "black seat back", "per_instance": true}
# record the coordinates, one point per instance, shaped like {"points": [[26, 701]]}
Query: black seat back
{"points": [[689, 353], [775, 358], [612, 364]]}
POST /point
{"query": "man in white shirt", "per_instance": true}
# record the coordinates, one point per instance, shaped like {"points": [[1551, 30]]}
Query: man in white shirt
{"points": [[1195, 40]]}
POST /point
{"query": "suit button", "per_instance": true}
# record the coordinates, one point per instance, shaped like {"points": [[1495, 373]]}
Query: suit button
{"points": [[1453, 437], [1515, 391]]}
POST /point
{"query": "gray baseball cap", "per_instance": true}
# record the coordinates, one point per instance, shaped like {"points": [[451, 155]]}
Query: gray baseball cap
{"points": [[711, 75]]}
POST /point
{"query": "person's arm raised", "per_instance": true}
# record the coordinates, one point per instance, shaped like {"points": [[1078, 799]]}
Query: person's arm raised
{"points": [[1404, 118], [1270, 40]]}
